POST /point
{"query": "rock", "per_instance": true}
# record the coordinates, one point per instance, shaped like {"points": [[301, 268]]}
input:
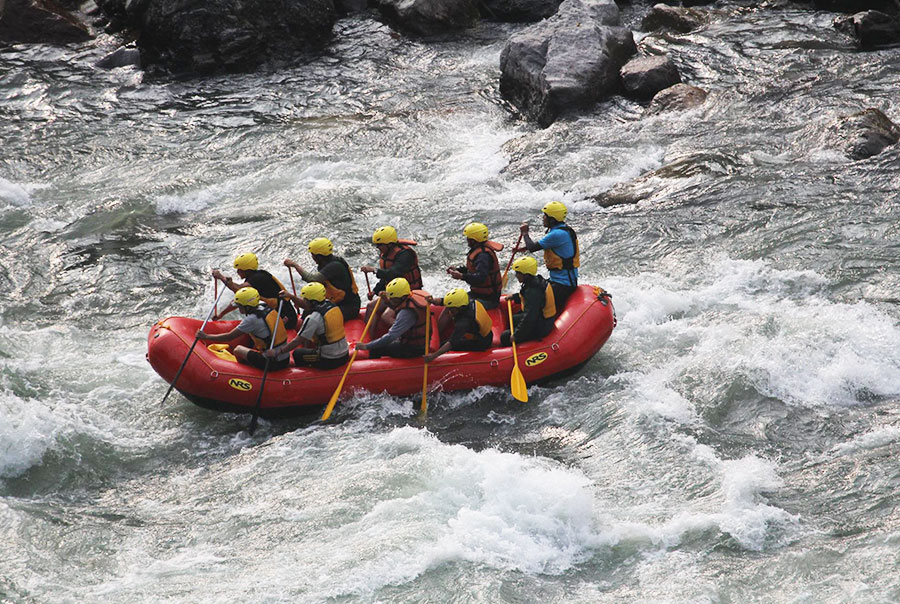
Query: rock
{"points": [[673, 18], [121, 57], [872, 29], [40, 22], [862, 134], [643, 77], [677, 98], [518, 11], [567, 62], [430, 17], [211, 36]]}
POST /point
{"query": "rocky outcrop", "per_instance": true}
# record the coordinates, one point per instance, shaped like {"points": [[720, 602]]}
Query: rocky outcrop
{"points": [[429, 17], [189, 36], [39, 22], [518, 11], [862, 134], [673, 18], [566, 63], [125, 56], [643, 77], [853, 6], [679, 97], [871, 29]]}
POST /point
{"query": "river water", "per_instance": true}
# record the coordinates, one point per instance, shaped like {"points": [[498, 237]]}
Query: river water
{"points": [[736, 440]]}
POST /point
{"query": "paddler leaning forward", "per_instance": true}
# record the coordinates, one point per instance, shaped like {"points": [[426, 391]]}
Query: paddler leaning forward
{"points": [[334, 273], [258, 322], [406, 336], [396, 258], [321, 334], [247, 266]]}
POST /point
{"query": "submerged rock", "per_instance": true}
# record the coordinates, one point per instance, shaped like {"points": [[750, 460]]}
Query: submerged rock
{"points": [[222, 35], [643, 77], [872, 29], [567, 62], [862, 134], [39, 22], [121, 57], [673, 18], [679, 97], [430, 17]]}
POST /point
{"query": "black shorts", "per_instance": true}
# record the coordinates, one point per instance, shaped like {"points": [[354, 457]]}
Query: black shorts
{"points": [[255, 359], [305, 357], [561, 294]]}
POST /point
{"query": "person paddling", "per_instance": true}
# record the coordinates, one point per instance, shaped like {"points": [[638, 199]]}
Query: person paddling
{"points": [[406, 337], [396, 258], [321, 333], [258, 322], [562, 255], [247, 266], [538, 304], [334, 273], [471, 323]]}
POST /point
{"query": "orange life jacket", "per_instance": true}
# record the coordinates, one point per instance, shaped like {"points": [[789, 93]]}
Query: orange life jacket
{"points": [[414, 276], [490, 287], [415, 335]]}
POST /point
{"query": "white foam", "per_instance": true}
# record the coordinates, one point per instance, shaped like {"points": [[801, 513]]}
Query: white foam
{"points": [[875, 439], [28, 429], [15, 194]]}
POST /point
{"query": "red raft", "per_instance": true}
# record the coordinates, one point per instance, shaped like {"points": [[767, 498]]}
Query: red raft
{"points": [[223, 385]]}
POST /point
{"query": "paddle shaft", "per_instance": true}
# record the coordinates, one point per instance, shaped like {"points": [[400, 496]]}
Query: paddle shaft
{"points": [[424, 408], [368, 287], [504, 279], [191, 349], [291, 275], [516, 380], [337, 391], [253, 421]]}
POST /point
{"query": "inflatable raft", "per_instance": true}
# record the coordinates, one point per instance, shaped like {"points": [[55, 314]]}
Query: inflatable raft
{"points": [[214, 382]]}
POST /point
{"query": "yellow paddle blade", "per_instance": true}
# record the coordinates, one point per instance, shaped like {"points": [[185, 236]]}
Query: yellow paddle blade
{"points": [[517, 385]]}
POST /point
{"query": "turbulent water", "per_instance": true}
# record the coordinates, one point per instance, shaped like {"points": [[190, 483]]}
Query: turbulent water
{"points": [[736, 440]]}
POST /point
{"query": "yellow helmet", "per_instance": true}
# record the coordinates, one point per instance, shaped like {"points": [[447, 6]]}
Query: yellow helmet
{"points": [[476, 231], [525, 265], [246, 296], [397, 288], [385, 234], [555, 210], [456, 298], [321, 246], [314, 291], [246, 262]]}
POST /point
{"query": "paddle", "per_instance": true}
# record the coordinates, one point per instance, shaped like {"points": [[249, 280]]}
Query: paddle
{"points": [[424, 408], [368, 287], [191, 349], [337, 391], [291, 275], [252, 427], [505, 279], [516, 380]]}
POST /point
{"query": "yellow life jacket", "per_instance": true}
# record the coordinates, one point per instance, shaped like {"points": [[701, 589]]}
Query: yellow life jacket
{"points": [[334, 322], [549, 309], [556, 262], [336, 294], [275, 323], [482, 319]]}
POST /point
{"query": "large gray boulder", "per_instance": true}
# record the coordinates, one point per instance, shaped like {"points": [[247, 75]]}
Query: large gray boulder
{"points": [[643, 77], [872, 29], [853, 6], [566, 63], [210, 36], [39, 22], [518, 11], [862, 134], [429, 17]]}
